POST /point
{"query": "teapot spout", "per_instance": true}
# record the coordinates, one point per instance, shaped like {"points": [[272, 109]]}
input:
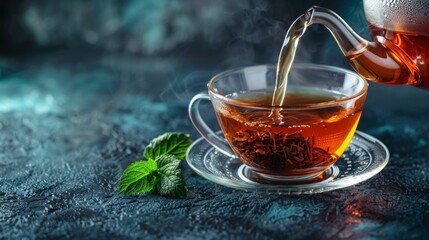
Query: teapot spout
{"points": [[379, 61]]}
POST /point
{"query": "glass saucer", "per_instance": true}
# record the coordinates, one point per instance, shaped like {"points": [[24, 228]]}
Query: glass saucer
{"points": [[364, 158]]}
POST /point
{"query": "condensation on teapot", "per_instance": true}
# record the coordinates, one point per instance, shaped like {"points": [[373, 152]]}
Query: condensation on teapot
{"points": [[406, 16]]}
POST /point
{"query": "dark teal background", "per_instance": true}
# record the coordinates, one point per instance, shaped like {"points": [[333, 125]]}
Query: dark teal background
{"points": [[85, 85]]}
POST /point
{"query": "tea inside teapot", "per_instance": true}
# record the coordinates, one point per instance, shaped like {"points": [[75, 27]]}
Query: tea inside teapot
{"points": [[404, 24]]}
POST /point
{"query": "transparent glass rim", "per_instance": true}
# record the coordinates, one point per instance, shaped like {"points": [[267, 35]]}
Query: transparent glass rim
{"points": [[296, 107]]}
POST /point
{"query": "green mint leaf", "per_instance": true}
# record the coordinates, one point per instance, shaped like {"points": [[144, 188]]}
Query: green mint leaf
{"points": [[172, 185], [167, 164], [161, 172], [174, 144], [139, 177]]}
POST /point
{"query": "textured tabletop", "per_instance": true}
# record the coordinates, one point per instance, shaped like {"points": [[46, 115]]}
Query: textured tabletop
{"points": [[69, 127], [86, 84]]}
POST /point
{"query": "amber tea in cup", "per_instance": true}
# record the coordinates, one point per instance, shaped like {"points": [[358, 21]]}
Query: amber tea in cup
{"points": [[288, 143], [294, 142]]}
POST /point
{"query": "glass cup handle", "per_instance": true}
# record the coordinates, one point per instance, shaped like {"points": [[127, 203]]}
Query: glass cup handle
{"points": [[208, 134]]}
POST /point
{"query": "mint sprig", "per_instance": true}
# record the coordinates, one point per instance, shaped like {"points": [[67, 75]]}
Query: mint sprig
{"points": [[161, 171]]}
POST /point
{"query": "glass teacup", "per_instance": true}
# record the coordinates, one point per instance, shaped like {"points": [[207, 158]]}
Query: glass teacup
{"points": [[291, 143]]}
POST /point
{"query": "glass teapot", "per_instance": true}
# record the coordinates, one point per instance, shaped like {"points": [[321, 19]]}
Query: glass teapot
{"points": [[400, 31]]}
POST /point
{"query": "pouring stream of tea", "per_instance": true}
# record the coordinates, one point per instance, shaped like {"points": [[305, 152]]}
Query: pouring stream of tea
{"points": [[287, 55]]}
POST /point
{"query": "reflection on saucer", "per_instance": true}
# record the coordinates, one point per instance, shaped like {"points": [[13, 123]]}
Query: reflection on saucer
{"points": [[364, 158]]}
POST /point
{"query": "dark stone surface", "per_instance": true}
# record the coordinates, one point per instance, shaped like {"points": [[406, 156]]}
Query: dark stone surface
{"points": [[69, 126], [79, 103]]}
